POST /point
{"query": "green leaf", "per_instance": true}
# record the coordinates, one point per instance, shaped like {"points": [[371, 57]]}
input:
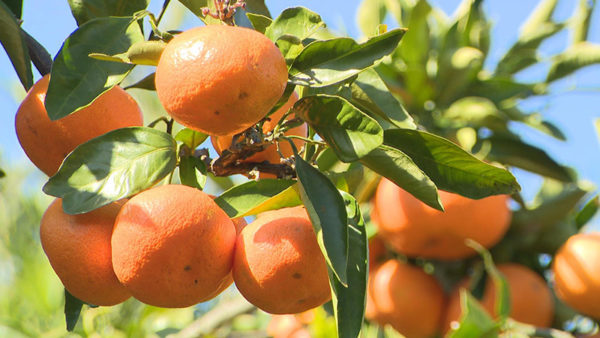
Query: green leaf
{"points": [[77, 80], [190, 137], [253, 197], [327, 212], [348, 131], [475, 322], [369, 15], [588, 211], [400, 169], [323, 63], [370, 92], [2, 173], [146, 83], [85, 10], [580, 22], [14, 43], [541, 14], [296, 21], [576, 57], [349, 301], [252, 6], [73, 307], [514, 152], [476, 112], [502, 301], [112, 166], [192, 172], [140, 53], [16, 6], [500, 88], [259, 22], [450, 167]]}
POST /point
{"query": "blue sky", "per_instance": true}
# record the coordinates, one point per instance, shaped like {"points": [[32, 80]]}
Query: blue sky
{"points": [[574, 111]]}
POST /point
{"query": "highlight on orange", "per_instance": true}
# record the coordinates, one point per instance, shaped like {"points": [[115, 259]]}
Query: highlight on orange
{"points": [[576, 270], [530, 297], [220, 79], [405, 297], [413, 228], [278, 264], [79, 250], [173, 246], [47, 142]]}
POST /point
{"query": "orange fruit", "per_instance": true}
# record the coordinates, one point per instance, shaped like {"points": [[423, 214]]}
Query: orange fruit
{"points": [[377, 251], [173, 246], [530, 298], [289, 326], [278, 265], [270, 154], [576, 270], [78, 248], [47, 142], [220, 79], [411, 227], [405, 297]]}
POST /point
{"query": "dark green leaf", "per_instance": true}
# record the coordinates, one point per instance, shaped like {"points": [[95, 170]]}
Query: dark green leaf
{"points": [[146, 83], [2, 173], [322, 63], [327, 212], [576, 57], [259, 22], [588, 211], [112, 166], [14, 43], [77, 80], [72, 310], [296, 21], [85, 10], [369, 91], [502, 301], [16, 6], [514, 152], [348, 131], [449, 167], [191, 138], [192, 172], [369, 15], [475, 322], [253, 197], [400, 169], [349, 301]]}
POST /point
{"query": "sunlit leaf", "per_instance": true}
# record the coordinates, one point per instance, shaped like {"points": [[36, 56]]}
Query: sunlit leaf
{"points": [[474, 321], [140, 53], [14, 43], [580, 22], [348, 131], [259, 22], [192, 172], [77, 80], [576, 57], [296, 21], [253, 197], [588, 211], [400, 169], [191, 138], [369, 15], [450, 167], [322, 63], [112, 166], [85, 10], [327, 212]]}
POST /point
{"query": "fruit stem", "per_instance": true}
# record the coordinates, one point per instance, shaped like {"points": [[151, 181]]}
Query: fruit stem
{"points": [[224, 11], [160, 16]]}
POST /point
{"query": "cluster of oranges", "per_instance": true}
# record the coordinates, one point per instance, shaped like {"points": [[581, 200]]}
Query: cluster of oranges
{"points": [[414, 303], [171, 245]]}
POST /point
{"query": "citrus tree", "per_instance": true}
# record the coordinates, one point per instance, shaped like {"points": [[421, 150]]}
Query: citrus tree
{"points": [[377, 170]]}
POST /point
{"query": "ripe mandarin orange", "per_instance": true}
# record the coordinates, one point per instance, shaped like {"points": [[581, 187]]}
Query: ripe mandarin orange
{"points": [[411, 227], [576, 270], [220, 79], [407, 298], [270, 154], [530, 298], [287, 326], [78, 248], [47, 142], [278, 265], [173, 246]]}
